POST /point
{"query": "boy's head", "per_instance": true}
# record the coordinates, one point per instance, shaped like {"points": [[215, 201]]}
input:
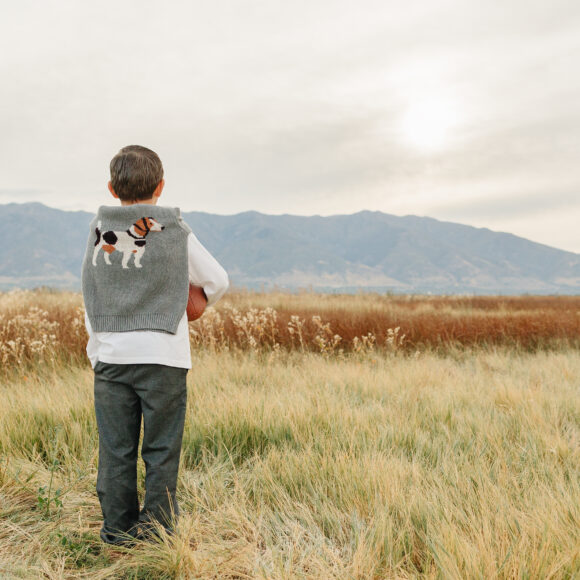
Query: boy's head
{"points": [[136, 174]]}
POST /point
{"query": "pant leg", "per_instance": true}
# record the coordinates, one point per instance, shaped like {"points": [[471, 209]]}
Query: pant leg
{"points": [[163, 393], [118, 412]]}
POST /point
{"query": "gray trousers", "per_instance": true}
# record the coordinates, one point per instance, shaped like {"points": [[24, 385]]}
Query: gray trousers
{"points": [[123, 394]]}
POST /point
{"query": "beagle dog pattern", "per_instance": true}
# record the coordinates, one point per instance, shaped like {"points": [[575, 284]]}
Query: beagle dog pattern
{"points": [[131, 242]]}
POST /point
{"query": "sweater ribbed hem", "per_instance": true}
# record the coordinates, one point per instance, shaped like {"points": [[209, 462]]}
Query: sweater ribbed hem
{"points": [[143, 321], [144, 360]]}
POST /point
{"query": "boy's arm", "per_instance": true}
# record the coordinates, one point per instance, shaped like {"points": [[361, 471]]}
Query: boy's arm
{"points": [[205, 271]]}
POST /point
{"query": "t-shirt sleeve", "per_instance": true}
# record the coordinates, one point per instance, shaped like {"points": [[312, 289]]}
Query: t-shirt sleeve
{"points": [[205, 271]]}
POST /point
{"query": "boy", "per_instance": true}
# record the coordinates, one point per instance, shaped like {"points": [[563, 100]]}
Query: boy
{"points": [[139, 261]]}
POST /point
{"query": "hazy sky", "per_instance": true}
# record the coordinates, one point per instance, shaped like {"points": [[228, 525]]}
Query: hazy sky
{"points": [[462, 110]]}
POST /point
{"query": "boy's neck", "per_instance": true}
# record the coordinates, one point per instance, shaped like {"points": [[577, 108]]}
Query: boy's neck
{"points": [[152, 201]]}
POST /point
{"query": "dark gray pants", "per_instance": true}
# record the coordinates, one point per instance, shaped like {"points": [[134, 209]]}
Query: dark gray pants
{"points": [[124, 393]]}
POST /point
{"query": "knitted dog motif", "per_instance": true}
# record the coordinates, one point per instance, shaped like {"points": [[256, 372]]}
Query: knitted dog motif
{"points": [[131, 242]]}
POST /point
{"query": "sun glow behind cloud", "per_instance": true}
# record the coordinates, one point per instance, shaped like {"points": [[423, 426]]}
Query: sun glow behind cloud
{"points": [[428, 123]]}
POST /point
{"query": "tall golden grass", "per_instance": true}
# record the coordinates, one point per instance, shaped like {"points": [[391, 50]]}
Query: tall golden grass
{"points": [[42, 327], [436, 460]]}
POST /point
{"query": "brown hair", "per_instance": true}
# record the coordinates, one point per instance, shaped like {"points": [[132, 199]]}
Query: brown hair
{"points": [[135, 173]]}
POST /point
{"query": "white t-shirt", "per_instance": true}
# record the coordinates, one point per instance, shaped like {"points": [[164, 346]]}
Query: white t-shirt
{"points": [[146, 346]]}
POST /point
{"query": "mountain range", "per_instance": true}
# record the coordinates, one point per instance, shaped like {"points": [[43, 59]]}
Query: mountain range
{"points": [[374, 251]]}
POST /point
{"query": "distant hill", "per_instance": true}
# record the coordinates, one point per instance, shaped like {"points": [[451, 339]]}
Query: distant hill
{"points": [[366, 250]]}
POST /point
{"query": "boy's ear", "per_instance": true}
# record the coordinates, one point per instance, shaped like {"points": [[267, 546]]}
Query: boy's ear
{"points": [[159, 188], [110, 185]]}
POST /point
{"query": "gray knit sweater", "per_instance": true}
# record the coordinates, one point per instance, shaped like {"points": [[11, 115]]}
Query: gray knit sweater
{"points": [[135, 273]]}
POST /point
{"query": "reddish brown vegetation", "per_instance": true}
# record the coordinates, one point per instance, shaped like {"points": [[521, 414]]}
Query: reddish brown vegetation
{"points": [[41, 326], [529, 322]]}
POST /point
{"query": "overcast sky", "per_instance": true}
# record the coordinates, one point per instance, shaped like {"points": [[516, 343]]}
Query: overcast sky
{"points": [[462, 110]]}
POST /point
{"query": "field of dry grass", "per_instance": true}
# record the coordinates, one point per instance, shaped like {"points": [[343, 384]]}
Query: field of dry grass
{"points": [[455, 455]]}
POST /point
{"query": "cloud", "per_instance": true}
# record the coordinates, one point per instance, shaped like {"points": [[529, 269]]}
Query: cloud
{"points": [[10, 194], [295, 107], [505, 207]]}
